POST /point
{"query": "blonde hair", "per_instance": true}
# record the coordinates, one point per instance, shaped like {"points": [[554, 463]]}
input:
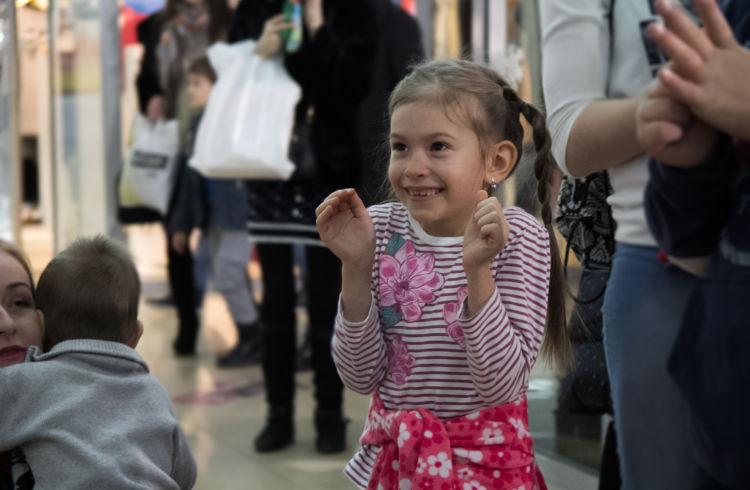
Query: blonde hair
{"points": [[453, 84]]}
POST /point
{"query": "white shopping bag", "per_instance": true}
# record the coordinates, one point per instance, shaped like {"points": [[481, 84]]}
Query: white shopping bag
{"points": [[148, 170], [247, 124]]}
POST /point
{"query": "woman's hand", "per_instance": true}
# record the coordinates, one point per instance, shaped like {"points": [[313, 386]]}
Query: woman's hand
{"points": [[669, 132], [709, 69], [155, 108], [312, 10], [486, 233], [270, 41], [346, 229]]}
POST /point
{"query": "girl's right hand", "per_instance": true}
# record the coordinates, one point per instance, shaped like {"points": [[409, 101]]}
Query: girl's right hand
{"points": [[270, 41], [346, 228]]}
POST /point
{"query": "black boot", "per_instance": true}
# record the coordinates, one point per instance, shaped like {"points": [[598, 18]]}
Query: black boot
{"points": [[331, 428], [278, 432], [246, 352], [187, 337], [184, 348]]}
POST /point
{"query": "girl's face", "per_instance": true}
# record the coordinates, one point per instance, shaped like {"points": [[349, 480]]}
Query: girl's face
{"points": [[436, 167], [20, 325]]}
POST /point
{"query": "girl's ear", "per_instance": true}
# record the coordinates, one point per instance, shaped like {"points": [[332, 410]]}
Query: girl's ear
{"points": [[503, 156]]}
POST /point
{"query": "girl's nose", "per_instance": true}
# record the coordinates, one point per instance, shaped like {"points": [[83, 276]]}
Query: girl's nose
{"points": [[417, 166]]}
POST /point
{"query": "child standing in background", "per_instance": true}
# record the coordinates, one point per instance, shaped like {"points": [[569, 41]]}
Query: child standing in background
{"points": [[445, 294], [219, 208]]}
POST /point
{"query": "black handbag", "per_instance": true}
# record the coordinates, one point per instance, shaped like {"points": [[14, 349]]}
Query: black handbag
{"points": [[584, 218]]}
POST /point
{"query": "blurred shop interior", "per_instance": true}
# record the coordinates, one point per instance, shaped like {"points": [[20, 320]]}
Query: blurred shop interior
{"points": [[67, 103]]}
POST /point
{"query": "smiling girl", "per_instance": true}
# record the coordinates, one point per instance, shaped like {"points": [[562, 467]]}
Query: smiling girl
{"points": [[445, 294]]}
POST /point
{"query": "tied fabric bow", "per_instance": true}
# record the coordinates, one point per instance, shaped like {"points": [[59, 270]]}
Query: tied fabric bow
{"points": [[487, 449]]}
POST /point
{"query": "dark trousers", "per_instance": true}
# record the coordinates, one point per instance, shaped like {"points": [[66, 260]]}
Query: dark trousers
{"points": [[181, 282], [278, 320]]}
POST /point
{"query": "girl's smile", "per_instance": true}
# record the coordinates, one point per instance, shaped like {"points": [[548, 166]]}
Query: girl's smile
{"points": [[419, 193]]}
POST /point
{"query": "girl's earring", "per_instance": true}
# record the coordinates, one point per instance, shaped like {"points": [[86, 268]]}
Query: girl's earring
{"points": [[493, 185]]}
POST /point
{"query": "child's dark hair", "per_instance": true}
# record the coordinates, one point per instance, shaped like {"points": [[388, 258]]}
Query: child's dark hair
{"points": [[452, 84], [90, 290], [202, 66]]}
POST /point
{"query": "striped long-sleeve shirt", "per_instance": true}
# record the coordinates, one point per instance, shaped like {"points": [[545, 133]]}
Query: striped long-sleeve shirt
{"points": [[418, 348]]}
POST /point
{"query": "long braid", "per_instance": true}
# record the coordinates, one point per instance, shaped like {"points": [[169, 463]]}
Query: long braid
{"points": [[556, 345]]}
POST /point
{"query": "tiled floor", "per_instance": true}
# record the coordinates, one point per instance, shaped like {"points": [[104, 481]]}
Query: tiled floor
{"points": [[222, 410]]}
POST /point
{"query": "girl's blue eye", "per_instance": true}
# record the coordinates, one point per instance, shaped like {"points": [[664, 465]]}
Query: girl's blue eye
{"points": [[438, 146]]}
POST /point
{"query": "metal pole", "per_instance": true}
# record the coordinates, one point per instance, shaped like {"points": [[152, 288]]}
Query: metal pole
{"points": [[10, 164], [426, 19]]}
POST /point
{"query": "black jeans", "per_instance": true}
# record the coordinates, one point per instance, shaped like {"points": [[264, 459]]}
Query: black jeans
{"points": [[278, 320], [181, 282]]}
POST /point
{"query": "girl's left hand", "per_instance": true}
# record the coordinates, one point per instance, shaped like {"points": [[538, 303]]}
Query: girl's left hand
{"points": [[486, 232]]}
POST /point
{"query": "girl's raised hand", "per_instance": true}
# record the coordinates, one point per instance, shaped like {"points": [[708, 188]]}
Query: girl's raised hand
{"points": [[486, 232], [346, 228]]}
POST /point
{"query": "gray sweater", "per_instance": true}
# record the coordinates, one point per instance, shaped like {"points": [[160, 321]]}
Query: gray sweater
{"points": [[89, 415]]}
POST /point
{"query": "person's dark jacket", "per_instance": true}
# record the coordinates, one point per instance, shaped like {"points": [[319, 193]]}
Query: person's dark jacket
{"points": [[706, 211], [693, 212]]}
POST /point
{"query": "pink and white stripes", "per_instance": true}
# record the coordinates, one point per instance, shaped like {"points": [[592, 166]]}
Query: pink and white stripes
{"points": [[413, 354]]}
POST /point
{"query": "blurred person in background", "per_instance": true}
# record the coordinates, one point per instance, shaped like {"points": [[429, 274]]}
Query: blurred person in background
{"points": [[173, 38], [217, 209], [699, 212], [598, 60], [353, 52]]}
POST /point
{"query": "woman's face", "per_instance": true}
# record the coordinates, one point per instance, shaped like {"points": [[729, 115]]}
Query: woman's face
{"points": [[20, 325]]}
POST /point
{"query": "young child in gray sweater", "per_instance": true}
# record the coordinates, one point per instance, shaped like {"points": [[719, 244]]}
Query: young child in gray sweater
{"points": [[87, 413]]}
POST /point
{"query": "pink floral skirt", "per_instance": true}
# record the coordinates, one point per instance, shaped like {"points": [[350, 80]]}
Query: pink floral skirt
{"points": [[488, 449]]}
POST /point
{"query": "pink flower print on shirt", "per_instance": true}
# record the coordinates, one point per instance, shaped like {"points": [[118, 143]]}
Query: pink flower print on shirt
{"points": [[450, 313], [400, 362], [407, 281]]}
